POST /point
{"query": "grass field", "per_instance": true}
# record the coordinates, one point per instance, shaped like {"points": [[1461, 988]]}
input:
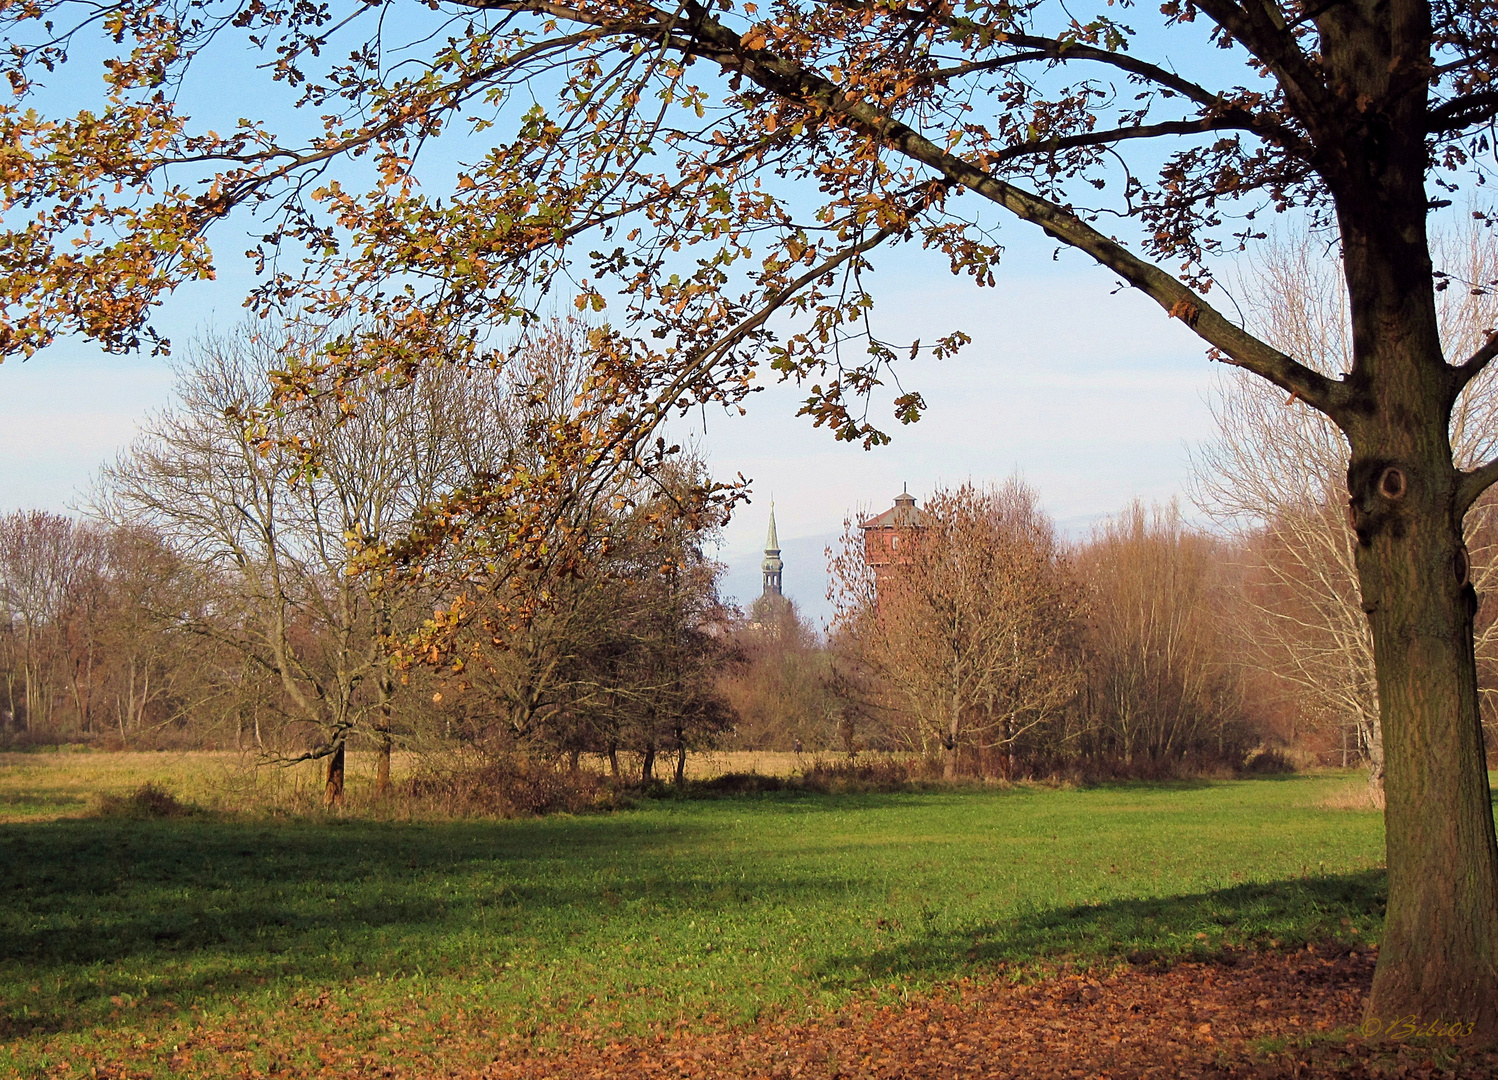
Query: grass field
{"points": [[48, 784], [128, 939]]}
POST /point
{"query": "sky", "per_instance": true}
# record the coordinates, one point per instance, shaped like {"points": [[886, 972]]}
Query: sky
{"points": [[1085, 390], [1089, 393]]}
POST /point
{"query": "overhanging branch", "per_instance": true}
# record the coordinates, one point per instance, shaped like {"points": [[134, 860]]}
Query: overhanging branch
{"points": [[703, 36]]}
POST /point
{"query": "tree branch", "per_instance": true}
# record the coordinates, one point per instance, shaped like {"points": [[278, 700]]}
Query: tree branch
{"points": [[1058, 50], [1462, 112], [1472, 483], [1235, 121], [705, 37], [1469, 369], [1275, 46]]}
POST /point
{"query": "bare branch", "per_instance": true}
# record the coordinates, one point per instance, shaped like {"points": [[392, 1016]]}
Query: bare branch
{"points": [[1463, 112], [1469, 369], [1473, 483]]}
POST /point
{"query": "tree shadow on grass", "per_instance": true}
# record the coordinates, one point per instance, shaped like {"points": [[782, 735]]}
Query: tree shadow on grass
{"points": [[1156, 931], [200, 908], [197, 911]]}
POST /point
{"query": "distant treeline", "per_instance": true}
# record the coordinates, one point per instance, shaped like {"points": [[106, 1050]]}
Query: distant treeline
{"points": [[244, 578]]}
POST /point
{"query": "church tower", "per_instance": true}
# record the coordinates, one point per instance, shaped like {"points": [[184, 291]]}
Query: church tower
{"points": [[772, 564]]}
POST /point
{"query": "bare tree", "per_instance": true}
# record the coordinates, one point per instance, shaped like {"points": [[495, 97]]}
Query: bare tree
{"points": [[1161, 684], [971, 629], [279, 539], [1277, 474], [47, 564], [783, 694]]}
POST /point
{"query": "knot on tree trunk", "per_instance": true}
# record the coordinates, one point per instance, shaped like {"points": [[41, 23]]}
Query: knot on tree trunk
{"points": [[1378, 488]]}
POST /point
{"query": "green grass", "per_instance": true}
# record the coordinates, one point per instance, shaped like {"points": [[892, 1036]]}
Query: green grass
{"points": [[124, 936]]}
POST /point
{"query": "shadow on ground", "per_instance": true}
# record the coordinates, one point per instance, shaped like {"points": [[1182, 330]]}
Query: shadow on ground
{"points": [[1343, 910], [98, 914]]}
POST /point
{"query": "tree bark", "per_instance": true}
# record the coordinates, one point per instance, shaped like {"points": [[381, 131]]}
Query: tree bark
{"points": [[647, 767], [382, 731], [950, 744], [382, 764], [1438, 957], [333, 792]]}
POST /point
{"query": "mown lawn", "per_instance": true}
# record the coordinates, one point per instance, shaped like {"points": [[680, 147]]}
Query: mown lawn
{"points": [[124, 938]]}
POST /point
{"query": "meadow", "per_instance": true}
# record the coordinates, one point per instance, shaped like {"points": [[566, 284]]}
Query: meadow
{"points": [[162, 942]]}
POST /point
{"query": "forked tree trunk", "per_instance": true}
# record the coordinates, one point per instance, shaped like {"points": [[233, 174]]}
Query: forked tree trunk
{"points": [[1438, 958], [333, 792]]}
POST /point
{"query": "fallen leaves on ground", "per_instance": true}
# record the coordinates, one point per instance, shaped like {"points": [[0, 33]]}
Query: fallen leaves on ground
{"points": [[1249, 1015]]}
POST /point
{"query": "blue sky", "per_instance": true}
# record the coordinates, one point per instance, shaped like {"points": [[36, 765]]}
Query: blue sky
{"points": [[1092, 395], [1088, 392]]}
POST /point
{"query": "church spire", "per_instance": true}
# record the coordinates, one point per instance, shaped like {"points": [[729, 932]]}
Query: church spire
{"points": [[772, 565]]}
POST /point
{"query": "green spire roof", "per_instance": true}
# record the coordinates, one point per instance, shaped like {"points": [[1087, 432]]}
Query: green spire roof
{"points": [[772, 542]]}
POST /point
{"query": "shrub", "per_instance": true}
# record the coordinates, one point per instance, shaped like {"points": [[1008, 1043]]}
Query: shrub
{"points": [[511, 787], [146, 801], [1268, 762]]}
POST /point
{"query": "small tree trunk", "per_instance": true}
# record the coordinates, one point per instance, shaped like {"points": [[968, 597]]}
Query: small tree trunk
{"points": [[951, 746], [614, 760], [385, 742], [647, 767], [681, 760], [333, 792], [382, 764], [574, 755]]}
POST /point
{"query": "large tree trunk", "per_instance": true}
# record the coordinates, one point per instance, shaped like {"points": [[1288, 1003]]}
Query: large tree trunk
{"points": [[1438, 958], [1439, 952]]}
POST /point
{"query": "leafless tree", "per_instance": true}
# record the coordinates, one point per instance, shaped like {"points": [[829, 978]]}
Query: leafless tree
{"points": [[783, 694], [1276, 473], [971, 630], [47, 563], [1161, 682], [280, 537]]}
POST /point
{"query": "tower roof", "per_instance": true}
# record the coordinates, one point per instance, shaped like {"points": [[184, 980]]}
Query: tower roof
{"points": [[902, 515], [772, 547]]}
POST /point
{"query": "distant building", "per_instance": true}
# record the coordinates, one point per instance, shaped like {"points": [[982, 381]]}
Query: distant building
{"points": [[884, 534], [772, 565]]}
